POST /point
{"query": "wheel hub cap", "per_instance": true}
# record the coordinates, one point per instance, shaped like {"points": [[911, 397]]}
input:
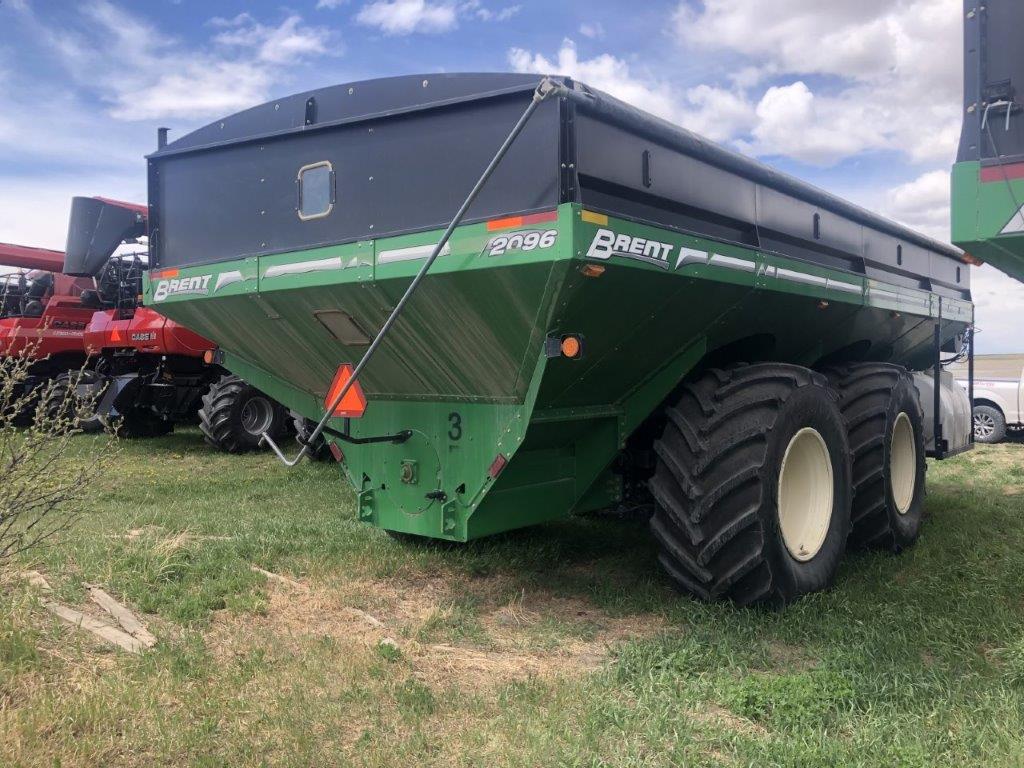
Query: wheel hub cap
{"points": [[984, 425], [257, 415], [903, 463], [806, 491]]}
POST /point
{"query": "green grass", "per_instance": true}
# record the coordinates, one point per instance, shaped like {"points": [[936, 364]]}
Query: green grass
{"points": [[560, 645]]}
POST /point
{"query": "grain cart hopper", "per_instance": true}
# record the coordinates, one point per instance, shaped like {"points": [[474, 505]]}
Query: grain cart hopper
{"points": [[988, 178], [148, 372], [622, 307]]}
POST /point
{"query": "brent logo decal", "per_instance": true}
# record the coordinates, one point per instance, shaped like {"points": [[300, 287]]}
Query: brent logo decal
{"points": [[181, 286], [607, 244]]}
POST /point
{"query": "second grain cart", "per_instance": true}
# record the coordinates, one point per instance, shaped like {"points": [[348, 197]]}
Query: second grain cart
{"points": [[506, 301]]}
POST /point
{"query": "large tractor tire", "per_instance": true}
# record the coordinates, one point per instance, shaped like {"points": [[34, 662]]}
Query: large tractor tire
{"points": [[63, 402], [753, 485], [319, 450], [989, 425], [885, 424], [26, 416], [235, 415]]}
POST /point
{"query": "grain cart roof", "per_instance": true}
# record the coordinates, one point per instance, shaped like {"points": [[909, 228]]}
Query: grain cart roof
{"points": [[409, 147]]}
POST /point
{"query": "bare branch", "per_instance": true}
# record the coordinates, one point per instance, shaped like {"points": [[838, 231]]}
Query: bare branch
{"points": [[46, 477]]}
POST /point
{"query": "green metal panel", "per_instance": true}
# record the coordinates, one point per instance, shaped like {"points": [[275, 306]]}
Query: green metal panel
{"points": [[503, 436], [987, 219]]}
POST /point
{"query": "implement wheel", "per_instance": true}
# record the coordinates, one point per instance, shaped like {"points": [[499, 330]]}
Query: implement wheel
{"points": [[65, 405], [886, 431], [235, 415], [752, 487]]}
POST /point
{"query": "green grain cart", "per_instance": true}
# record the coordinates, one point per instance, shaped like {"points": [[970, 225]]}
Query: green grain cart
{"points": [[988, 178], [554, 303]]}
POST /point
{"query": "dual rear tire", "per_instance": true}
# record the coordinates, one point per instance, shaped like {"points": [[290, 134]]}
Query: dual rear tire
{"points": [[64, 406], [886, 427], [764, 473]]}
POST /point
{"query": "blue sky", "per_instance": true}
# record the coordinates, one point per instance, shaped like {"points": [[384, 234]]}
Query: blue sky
{"points": [[861, 97]]}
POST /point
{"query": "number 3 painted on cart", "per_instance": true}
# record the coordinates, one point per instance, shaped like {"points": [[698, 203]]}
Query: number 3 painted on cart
{"points": [[455, 422]]}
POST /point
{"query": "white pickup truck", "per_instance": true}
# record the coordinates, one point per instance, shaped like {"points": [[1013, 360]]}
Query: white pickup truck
{"points": [[998, 395]]}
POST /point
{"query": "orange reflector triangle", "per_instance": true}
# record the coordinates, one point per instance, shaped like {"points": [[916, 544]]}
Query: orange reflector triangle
{"points": [[353, 404]]}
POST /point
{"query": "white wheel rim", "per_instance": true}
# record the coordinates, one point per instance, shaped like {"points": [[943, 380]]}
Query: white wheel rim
{"points": [[805, 494], [903, 463]]}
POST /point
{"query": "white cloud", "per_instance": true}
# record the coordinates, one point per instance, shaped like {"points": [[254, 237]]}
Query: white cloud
{"points": [[894, 84], [234, 21], [290, 41], [404, 17], [217, 88], [922, 204], [486, 14], [139, 73], [592, 29], [144, 74], [794, 122], [714, 112], [604, 72], [816, 82], [330, 4], [407, 17], [851, 36], [749, 77]]}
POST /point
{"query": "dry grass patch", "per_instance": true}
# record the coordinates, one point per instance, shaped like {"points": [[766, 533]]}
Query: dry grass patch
{"points": [[496, 641], [791, 658], [720, 718]]}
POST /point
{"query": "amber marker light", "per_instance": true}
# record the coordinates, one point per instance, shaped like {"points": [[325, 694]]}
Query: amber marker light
{"points": [[572, 347], [592, 270]]}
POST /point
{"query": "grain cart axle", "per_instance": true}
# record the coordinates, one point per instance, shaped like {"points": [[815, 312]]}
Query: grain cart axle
{"points": [[618, 311]]}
